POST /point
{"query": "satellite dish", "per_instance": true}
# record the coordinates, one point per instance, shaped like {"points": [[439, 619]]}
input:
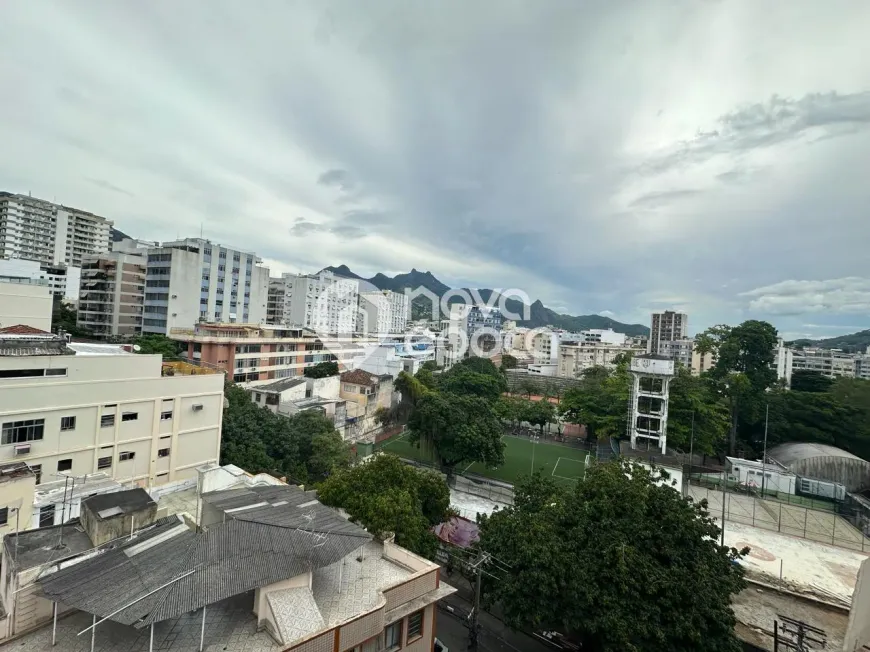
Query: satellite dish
{"points": [[136, 347]]}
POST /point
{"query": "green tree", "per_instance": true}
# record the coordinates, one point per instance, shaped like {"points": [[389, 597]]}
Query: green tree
{"points": [[599, 402], [157, 344], [744, 371], [619, 562], [321, 370], [692, 399], [386, 495], [329, 453], [471, 383], [538, 413], [508, 361], [804, 380], [64, 317], [527, 387], [457, 429]]}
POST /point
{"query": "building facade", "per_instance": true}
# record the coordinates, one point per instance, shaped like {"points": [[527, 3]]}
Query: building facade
{"points": [[667, 326], [259, 353], [275, 302], [25, 302], [832, 363], [576, 358], [35, 229], [61, 280], [473, 330], [382, 311], [81, 408], [679, 350], [112, 291], [194, 280], [323, 302]]}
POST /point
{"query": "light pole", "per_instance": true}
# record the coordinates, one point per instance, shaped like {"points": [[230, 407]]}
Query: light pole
{"points": [[534, 439], [764, 454], [691, 451], [724, 496]]}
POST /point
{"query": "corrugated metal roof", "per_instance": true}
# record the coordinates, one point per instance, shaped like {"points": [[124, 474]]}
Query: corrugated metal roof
{"points": [[795, 451], [253, 548]]}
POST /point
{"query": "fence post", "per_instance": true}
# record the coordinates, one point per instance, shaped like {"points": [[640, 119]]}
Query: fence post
{"points": [[779, 523], [754, 500], [805, 524]]}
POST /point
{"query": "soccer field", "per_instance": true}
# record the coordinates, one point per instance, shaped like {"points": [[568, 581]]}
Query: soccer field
{"points": [[563, 463]]}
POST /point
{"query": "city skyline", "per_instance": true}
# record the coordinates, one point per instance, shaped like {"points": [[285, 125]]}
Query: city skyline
{"points": [[707, 158]]}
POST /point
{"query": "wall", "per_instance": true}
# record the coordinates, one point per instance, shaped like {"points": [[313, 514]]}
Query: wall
{"points": [[324, 387], [25, 303], [17, 493], [858, 630], [103, 530], [261, 593]]}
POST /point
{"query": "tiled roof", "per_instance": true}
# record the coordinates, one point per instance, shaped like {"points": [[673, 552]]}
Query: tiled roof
{"points": [[258, 547], [359, 377], [22, 329]]}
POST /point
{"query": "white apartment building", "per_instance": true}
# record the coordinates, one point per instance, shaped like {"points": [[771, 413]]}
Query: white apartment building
{"points": [[383, 311], [667, 326], [322, 302], [783, 360], [35, 229], [679, 350], [193, 280], [832, 363], [602, 336], [61, 279], [77, 409], [25, 302], [112, 291], [574, 359]]}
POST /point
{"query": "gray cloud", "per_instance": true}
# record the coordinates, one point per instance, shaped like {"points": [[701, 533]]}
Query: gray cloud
{"points": [[497, 143]]}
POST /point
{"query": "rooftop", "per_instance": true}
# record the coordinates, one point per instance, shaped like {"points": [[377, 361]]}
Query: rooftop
{"points": [[90, 348], [360, 377], [53, 492], [106, 506], [22, 329], [282, 385], [41, 546], [15, 470]]}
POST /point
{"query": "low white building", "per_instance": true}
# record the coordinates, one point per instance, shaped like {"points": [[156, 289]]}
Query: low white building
{"points": [[78, 409], [752, 474], [62, 280], [574, 359], [602, 336]]}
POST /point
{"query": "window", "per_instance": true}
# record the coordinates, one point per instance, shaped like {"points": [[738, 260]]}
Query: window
{"points": [[31, 373], [67, 423], [17, 432], [415, 625], [37, 471], [107, 420], [163, 452], [104, 463], [4, 515], [126, 455], [130, 416], [64, 465], [46, 516], [259, 397], [166, 415], [393, 636]]}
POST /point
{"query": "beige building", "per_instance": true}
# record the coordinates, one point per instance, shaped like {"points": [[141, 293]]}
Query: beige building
{"points": [[26, 303], [574, 359], [112, 291], [81, 408], [702, 362], [667, 326]]}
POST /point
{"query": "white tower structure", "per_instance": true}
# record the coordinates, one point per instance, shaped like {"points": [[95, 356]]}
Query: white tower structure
{"points": [[648, 403]]}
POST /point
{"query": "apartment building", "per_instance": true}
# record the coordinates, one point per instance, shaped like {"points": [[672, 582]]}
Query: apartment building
{"points": [[275, 302], [61, 279], [35, 229], [383, 311], [24, 302], [702, 362], [576, 358], [193, 280], [75, 409], [473, 330], [259, 353], [832, 363], [667, 326], [680, 351], [112, 291], [322, 302], [602, 336]]}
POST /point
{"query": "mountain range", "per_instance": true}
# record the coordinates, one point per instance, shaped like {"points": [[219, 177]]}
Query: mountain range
{"points": [[539, 314], [852, 343]]}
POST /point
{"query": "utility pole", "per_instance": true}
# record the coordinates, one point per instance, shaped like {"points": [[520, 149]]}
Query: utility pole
{"points": [[691, 452], [474, 625], [724, 497], [764, 454]]}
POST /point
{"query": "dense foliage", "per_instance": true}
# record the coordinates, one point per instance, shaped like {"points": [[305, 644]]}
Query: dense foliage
{"points": [[387, 495], [157, 344], [452, 413], [64, 317], [303, 448], [321, 370], [619, 562]]}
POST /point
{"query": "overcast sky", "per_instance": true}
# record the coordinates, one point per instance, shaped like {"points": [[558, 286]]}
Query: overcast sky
{"points": [[611, 157]]}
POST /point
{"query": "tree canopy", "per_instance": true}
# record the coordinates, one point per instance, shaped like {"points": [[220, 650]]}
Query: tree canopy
{"points": [[157, 344], [620, 562], [304, 447], [321, 370], [386, 495]]}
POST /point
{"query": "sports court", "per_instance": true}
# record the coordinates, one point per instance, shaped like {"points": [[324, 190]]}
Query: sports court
{"points": [[564, 464]]}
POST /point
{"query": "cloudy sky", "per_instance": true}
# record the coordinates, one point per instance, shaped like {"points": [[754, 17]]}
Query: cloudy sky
{"points": [[613, 157]]}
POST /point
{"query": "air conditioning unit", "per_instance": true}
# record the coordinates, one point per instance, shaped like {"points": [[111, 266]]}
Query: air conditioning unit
{"points": [[174, 296], [196, 408], [23, 449]]}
